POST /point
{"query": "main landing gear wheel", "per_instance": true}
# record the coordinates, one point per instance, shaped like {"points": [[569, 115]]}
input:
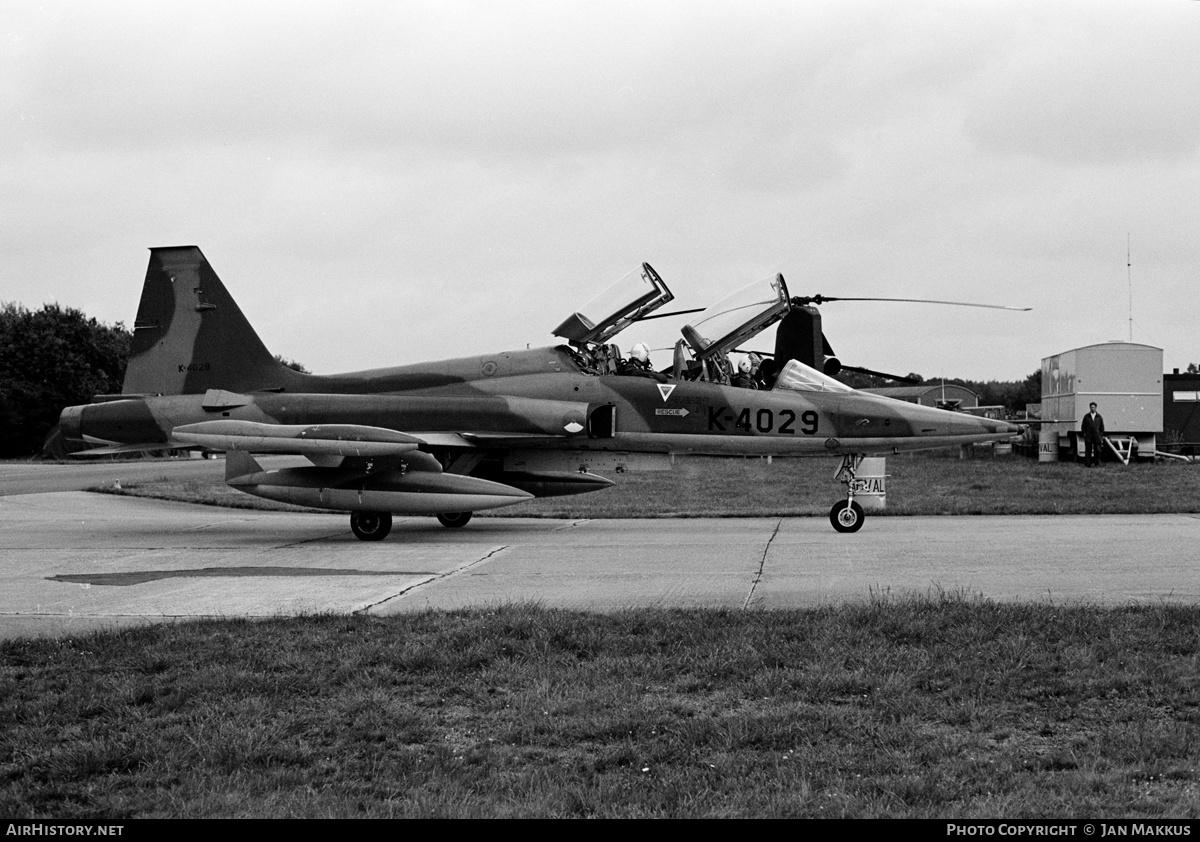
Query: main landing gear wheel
{"points": [[454, 520], [370, 526], [846, 516]]}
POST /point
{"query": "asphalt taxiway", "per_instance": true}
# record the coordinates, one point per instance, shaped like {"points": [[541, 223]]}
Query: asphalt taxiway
{"points": [[76, 561]]}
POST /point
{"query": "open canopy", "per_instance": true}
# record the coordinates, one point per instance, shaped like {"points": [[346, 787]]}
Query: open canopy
{"points": [[634, 296], [739, 316]]}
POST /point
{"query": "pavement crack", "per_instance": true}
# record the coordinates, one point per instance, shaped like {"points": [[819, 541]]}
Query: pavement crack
{"points": [[435, 577], [314, 540], [762, 563]]}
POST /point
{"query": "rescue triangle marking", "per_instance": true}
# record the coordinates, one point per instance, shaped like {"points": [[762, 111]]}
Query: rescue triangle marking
{"points": [[665, 389]]}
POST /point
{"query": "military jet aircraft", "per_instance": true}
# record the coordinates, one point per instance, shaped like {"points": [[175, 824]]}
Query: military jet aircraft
{"points": [[457, 436]]}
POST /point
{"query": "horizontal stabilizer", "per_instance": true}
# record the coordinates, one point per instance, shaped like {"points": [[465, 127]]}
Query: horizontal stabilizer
{"points": [[303, 439], [117, 449]]}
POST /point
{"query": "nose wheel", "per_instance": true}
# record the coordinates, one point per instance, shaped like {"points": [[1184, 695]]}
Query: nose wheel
{"points": [[370, 526], [846, 516]]}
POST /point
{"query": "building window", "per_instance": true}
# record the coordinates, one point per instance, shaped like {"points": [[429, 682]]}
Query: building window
{"points": [[1186, 397]]}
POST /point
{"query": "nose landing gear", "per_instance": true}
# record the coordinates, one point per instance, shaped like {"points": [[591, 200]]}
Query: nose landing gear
{"points": [[847, 515]]}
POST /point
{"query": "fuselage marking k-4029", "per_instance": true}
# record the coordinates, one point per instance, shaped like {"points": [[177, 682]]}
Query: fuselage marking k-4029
{"points": [[749, 420]]}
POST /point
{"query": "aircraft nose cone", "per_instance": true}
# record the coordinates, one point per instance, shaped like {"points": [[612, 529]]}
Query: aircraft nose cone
{"points": [[970, 424], [1005, 428]]}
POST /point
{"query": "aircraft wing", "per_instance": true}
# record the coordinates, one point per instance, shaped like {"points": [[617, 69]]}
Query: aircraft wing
{"points": [[443, 439], [470, 439]]}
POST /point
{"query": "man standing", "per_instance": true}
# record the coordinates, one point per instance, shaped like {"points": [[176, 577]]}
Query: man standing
{"points": [[1093, 436]]}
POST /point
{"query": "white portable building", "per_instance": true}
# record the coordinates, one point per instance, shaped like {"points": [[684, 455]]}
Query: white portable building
{"points": [[1124, 379]]}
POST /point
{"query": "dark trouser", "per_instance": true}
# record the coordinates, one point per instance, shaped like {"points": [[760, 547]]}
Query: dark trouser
{"points": [[1091, 453]]}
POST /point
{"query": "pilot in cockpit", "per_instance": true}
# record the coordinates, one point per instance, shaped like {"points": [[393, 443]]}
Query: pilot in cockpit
{"points": [[639, 365], [744, 379], [766, 374]]}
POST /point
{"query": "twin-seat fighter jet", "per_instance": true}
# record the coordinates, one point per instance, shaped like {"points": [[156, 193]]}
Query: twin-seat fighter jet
{"points": [[453, 437]]}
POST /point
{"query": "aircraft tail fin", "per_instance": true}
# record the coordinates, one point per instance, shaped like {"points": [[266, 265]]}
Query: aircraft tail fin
{"points": [[190, 336]]}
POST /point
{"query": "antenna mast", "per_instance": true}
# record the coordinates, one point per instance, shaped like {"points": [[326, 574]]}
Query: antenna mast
{"points": [[1129, 275]]}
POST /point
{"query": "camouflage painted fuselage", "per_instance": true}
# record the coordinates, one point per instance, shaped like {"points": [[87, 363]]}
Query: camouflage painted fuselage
{"points": [[500, 426], [540, 399]]}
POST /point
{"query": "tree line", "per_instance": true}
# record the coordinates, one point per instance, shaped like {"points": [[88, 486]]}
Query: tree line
{"points": [[1013, 395], [53, 358], [49, 359]]}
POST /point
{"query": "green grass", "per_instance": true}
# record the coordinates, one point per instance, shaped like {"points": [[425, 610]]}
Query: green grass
{"points": [[941, 706], [918, 484]]}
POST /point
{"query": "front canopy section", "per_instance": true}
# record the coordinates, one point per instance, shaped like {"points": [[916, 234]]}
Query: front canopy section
{"points": [[633, 297], [737, 317]]}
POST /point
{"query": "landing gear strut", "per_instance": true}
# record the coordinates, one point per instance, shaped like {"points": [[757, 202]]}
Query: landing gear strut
{"points": [[454, 520], [846, 515], [370, 526]]}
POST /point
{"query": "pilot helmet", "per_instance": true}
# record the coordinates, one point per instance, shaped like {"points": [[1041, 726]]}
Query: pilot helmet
{"points": [[744, 366], [640, 352]]}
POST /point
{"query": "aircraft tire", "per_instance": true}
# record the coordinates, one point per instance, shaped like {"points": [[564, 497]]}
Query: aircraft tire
{"points": [[846, 516], [454, 520], [370, 526]]}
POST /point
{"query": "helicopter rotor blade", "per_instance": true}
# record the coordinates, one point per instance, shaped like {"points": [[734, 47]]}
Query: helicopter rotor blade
{"points": [[800, 301]]}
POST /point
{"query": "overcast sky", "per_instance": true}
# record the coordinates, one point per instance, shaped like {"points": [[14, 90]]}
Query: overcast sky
{"points": [[392, 182]]}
